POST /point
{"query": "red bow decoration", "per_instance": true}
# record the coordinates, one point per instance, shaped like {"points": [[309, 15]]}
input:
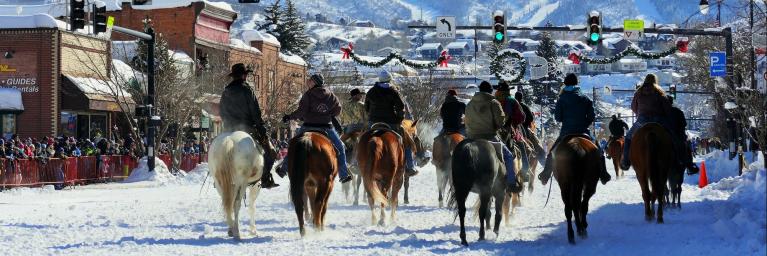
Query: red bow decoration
{"points": [[574, 58], [347, 50], [443, 59], [682, 43]]}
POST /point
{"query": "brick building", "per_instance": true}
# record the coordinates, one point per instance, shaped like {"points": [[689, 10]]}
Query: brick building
{"points": [[203, 30], [60, 77]]}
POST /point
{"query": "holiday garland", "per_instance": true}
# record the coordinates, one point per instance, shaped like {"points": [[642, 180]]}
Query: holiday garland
{"points": [[631, 50], [389, 58], [497, 67]]}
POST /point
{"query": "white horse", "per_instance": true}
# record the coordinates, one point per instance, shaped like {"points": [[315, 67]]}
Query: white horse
{"points": [[236, 160]]}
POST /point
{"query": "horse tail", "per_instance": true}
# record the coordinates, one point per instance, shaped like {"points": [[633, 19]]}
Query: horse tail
{"points": [[462, 163], [224, 174], [301, 150], [655, 166], [374, 156]]}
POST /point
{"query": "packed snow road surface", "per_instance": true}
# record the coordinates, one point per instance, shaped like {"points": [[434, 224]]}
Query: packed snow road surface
{"points": [[182, 218]]}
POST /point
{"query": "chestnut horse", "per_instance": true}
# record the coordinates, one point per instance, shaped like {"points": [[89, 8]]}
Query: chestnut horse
{"points": [[576, 168], [381, 157], [350, 142], [615, 151], [312, 167], [443, 152], [420, 160], [653, 158]]}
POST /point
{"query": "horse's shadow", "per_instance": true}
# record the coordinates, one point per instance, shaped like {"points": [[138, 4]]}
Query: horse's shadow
{"points": [[170, 241]]}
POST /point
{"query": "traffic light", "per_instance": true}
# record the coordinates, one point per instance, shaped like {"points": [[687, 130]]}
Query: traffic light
{"points": [[499, 29], [672, 90], [77, 14], [99, 17], [594, 27]]}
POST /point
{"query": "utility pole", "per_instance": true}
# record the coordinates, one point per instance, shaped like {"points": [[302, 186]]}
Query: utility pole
{"points": [[753, 49], [153, 120]]}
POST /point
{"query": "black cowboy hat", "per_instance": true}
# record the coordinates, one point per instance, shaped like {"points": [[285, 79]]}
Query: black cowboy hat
{"points": [[239, 69], [503, 86], [355, 92]]}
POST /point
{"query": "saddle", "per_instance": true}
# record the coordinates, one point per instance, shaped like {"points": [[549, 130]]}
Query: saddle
{"points": [[379, 129], [315, 130]]}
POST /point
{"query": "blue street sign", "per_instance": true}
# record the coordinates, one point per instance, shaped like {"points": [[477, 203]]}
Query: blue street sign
{"points": [[718, 64]]}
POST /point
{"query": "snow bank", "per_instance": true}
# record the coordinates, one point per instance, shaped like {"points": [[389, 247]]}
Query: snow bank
{"points": [[720, 167], [160, 175], [197, 175], [28, 21]]}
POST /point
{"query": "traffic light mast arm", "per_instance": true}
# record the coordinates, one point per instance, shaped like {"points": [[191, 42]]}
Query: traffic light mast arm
{"points": [[689, 32]]}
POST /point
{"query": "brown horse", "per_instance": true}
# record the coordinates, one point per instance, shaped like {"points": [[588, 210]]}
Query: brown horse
{"points": [[443, 152], [419, 149], [312, 169], [576, 168], [381, 156], [653, 158], [615, 151], [350, 141]]}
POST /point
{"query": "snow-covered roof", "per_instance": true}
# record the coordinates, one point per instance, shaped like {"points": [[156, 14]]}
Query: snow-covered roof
{"points": [[294, 59], [630, 60], [10, 99], [582, 45], [98, 87], [252, 35], [526, 41], [239, 44], [124, 73], [28, 21], [124, 50], [457, 45], [53, 9], [429, 46], [164, 4], [609, 43]]}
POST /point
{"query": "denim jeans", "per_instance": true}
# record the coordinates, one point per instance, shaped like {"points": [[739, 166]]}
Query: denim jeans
{"points": [[508, 159], [343, 170]]}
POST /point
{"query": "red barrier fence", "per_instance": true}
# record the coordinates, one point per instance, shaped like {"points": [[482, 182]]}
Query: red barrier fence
{"points": [[77, 170]]}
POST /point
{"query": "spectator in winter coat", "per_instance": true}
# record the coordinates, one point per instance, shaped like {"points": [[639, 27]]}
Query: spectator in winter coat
{"points": [[650, 105], [319, 109], [576, 113], [240, 111], [484, 118], [452, 112], [384, 104], [353, 115], [679, 133]]}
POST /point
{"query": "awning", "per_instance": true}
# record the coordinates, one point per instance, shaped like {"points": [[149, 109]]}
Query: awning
{"points": [[94, 94], [10, 100]]}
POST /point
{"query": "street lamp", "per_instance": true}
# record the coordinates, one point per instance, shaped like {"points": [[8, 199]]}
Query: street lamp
{"points": [[703, 7]]}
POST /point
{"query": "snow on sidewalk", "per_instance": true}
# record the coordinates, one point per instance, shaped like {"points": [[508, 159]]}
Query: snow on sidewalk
{"points": [[182, 218]]}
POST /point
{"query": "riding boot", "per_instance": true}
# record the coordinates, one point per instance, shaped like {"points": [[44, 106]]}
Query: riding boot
{"points": [[625, 163], [513, 184], [604, 176], [266, 175], [545, 175]]}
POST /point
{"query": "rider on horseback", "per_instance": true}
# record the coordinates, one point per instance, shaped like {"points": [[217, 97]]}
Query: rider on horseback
{"points": [[650, 105], [452, 112], [353, 115], [515, 116], [527, 127], [384, 104], [319, 109], [680, 133], [240, 112], [617, 129], [576, 113], [484, 118]]}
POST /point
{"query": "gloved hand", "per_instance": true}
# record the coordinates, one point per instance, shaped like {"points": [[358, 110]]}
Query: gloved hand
{"points": [[285, 118]]}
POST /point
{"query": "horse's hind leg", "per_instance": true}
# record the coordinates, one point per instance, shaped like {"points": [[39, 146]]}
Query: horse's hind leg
{"points": [[499, 202], [254, 190], [236, 213], [407, 188], [484, 209], [646, 197], [461, 201], [441, 183], [568, 212], [358, 181], [506, 208], [587, 194], [319, 207]]}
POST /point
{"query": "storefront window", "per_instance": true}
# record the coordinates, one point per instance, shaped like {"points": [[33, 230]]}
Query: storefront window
{"points": [[7, 125], [98, 126], [68, 124]]}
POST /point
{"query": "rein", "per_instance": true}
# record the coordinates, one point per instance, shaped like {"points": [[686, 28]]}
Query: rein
{"points": [[549, 195]]}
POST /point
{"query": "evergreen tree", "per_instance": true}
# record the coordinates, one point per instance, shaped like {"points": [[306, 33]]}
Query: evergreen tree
{"points": [[273, 19], [292, 36], [547, 49]]}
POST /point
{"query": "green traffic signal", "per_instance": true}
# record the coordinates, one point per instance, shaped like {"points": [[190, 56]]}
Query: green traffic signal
{"points": [[594, 37], [498, 36]]}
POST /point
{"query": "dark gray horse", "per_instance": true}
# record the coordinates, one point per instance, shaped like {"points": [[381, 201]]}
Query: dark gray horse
{"points": [[477, 167]]}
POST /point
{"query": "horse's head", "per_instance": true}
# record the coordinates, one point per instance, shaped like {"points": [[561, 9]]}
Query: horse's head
{"points": [[411, 134]]}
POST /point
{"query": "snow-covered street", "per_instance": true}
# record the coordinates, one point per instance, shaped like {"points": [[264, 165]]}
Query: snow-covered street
{"points": [[178, 218]]}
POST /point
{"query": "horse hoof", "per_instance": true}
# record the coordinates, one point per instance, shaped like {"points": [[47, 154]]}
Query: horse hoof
{"points": [[230, 233], [571, 240], [660, 221], [583, 234], [464, 243]]}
